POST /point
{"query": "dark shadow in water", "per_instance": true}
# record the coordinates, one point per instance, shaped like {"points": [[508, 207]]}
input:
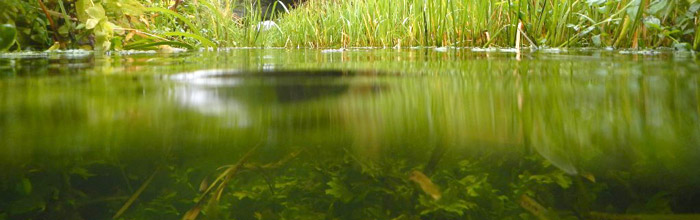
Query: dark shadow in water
{"points": [[297, 85], [284, 98], [300, 92], [38, 66], [264, 87]]}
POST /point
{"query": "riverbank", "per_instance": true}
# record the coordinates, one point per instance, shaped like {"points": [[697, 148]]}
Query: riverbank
{"points": [[620, 24]]}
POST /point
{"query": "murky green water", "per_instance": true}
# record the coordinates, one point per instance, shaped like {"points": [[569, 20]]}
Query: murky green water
{"points": [[358, 134]]}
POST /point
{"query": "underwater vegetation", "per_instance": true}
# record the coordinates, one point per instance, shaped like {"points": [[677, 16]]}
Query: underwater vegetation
{"points": [[296, 187], [161, 25], [453, 135]]}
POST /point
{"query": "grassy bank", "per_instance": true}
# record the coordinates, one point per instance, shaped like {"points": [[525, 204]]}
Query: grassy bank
{"points": [[483, 23], [622, 24]]}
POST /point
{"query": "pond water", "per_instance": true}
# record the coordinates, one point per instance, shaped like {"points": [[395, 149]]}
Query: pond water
{"points": [[351, 134]]}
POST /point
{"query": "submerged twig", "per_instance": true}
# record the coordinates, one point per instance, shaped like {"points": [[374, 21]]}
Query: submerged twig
{"points": [[174, 6], [218, 185], [275, 164], [56, 14], [136, 195], [142, 33], [48, 17], [534, 207]]}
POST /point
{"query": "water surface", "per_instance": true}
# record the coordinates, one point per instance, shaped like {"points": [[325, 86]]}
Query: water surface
{"points": [[355, 134]]}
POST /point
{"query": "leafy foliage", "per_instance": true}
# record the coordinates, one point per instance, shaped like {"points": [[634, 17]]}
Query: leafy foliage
{"points": [[7, 36], [336, 188], [30, 24], [115, 24]]}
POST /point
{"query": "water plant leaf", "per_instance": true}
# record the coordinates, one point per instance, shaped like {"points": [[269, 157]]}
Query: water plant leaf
{"points": [[81, 7], [184, 19], [149, 46], [633, 8], [91, 23], [81, 172], [8, 34], [206, 42], [562, 180], [596, 40], [339, 190], [24, 187], [694, 7], [595, 2], [653, 23], [96, 12], [130, 7], [659, 6]]}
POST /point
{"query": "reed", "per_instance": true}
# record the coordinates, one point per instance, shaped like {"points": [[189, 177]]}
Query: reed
{"points": [[621, 24], [467, 23]]}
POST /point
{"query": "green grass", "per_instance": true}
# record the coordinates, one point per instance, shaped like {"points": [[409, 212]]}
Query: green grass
{"points": [[622, 24], [467, 23]]}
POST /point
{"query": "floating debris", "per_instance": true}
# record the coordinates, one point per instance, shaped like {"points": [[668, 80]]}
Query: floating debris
{"points": [[426, 184], [551, 50], [441, 49], [534, 207], [640, 52], [588, 176], [488, 49], [339, 50], [509, 50]]}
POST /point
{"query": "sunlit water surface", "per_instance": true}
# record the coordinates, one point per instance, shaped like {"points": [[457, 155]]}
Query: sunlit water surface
{"points": [[354, 134]]}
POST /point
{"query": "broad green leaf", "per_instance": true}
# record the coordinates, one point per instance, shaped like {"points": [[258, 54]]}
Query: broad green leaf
{"points": [[562, 180], [131, 7], [64, 30], [596, 40], [633, 8], [91, 23], [81, 7], [8, 34], [658, 6], [339, 191], [96, 12], [653, 23], [104, 31]]}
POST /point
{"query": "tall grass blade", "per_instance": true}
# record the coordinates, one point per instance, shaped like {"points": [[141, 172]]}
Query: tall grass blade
{"points": [[204, 41]]}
